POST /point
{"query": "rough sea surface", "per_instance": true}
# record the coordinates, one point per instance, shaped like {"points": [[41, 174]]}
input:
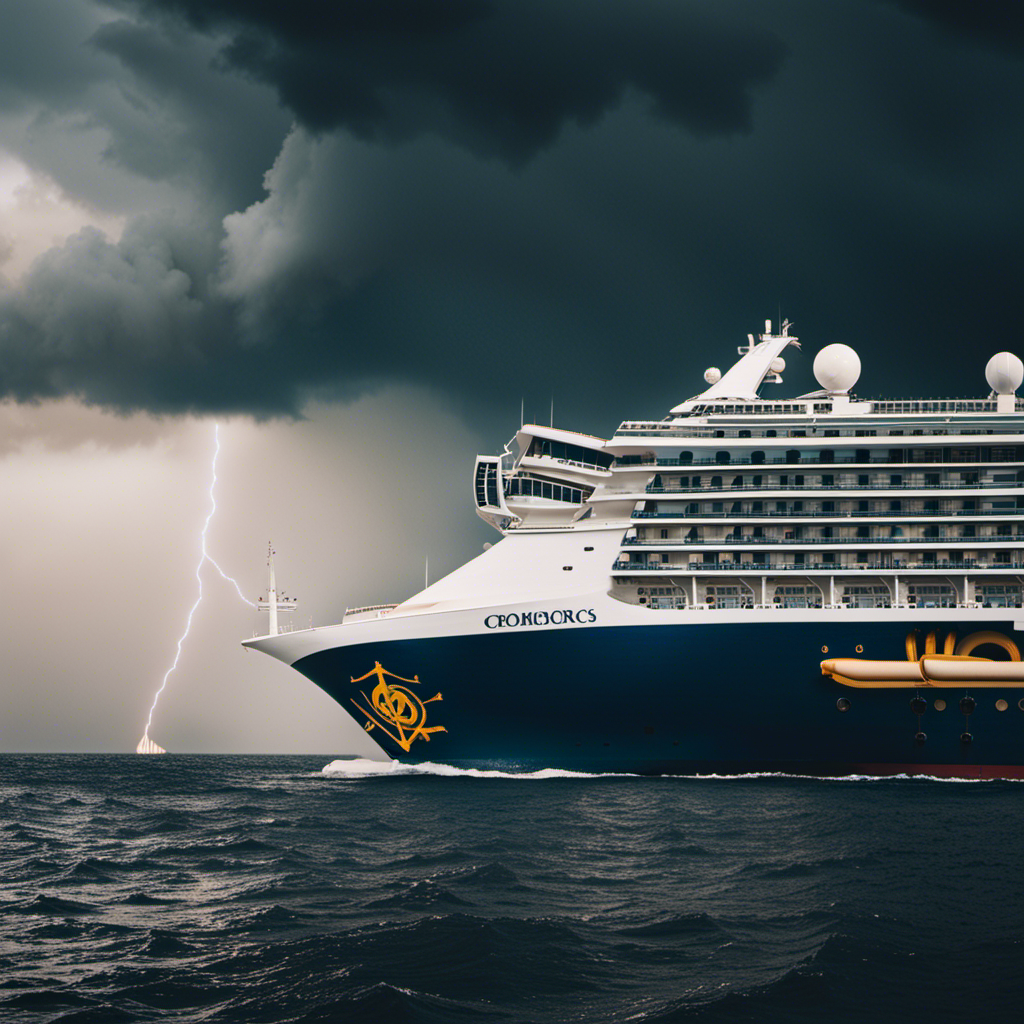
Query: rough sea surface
{"points": [[254, 889]]}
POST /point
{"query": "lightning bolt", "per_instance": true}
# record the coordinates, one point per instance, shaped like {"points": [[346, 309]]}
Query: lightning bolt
{"points": [[146, 745]]}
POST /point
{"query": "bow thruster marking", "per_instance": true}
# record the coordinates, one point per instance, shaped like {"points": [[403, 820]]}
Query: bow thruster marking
{"points": [[394, 709]]}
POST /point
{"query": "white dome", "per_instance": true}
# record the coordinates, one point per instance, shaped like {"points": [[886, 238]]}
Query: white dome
{"points": [[778, 364], [712, 375], [1004, 373], [837, 368]]}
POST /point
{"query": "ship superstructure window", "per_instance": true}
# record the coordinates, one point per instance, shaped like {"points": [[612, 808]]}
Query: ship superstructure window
{"points": [[486, 484], [572, 453], [532, 487], [999, 595], [933, 595]]}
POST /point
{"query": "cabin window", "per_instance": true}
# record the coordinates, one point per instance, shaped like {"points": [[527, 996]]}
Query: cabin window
{"points": [[757, 458], [722, 458], [685, 458]]}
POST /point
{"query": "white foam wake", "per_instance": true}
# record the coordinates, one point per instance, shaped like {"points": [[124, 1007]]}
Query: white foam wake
{"points": [[361, 767]]}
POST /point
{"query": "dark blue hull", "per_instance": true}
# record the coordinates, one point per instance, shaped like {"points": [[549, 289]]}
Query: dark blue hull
{"points": [[670, 699]]}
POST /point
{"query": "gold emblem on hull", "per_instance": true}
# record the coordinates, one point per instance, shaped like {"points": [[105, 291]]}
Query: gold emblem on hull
{"points": [[954, 667], [395, 709]]}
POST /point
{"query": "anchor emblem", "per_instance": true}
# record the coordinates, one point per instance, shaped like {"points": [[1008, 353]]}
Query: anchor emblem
{"points": [[394, 709]]}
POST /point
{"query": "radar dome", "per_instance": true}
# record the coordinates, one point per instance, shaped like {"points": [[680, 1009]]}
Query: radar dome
{"points": [[778, 364], [836, 368], [712, 375], [1004, 373]]}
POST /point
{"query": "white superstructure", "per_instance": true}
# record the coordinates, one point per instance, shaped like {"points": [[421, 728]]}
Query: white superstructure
{"points": [[825, 500]]}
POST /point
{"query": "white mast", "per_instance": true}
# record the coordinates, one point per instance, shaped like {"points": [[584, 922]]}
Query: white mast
{"points": [[273, 603], [272, 591]]}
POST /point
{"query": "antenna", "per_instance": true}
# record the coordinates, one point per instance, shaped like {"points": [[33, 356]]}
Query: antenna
{"points": [[426, 572], [522, 412], [552, 410]]}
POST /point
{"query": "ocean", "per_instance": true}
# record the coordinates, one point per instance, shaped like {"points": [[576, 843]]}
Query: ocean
{"points": [[256, 889]]}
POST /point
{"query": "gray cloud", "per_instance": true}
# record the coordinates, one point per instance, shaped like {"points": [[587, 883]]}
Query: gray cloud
{"points": [[500, 77], [877, 185]]}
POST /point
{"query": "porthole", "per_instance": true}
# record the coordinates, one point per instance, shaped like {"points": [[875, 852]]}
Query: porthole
{"points": [[967, 705], [918, 705], [1020, 703], [965, 738], [843, 704], [919, 738], [588, 549], [566, 568], [824, 649], [860, 648], [1001, 705], [939, 705]]}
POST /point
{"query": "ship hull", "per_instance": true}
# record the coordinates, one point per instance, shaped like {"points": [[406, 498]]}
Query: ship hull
{"points": [[675, 698]]}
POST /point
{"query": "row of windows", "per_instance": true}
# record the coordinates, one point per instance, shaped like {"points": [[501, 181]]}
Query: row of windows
{"points": [[525, 485], [965, 478], [487, 484], [796, 508], [828, 558], [930, 532], [1010, 453], [894, 456], [570, 453]]}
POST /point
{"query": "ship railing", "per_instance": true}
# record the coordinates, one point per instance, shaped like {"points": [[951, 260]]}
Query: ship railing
{"points": [[797, 431], [946, 485], [576, 463], [826, 542], [832, 568], [1005, 513], [369, 610], [626, 461]]}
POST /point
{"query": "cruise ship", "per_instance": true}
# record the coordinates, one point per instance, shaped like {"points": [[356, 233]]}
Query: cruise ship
{"points": [[823, 585]]}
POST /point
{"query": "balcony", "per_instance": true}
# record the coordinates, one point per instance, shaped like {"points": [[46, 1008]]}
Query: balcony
{"points": [[829, 568], [1006, 485]]}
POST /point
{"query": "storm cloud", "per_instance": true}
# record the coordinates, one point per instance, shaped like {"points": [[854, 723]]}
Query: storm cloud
{"points": [[511, 199]]}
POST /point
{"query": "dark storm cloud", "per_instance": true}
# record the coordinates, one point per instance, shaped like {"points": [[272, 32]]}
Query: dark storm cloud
{"points": [[606, 259], [995, 23], [498, 76]]}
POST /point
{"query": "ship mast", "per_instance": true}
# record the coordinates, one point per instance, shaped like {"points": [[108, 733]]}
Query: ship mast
{"points": [[274, 603]]}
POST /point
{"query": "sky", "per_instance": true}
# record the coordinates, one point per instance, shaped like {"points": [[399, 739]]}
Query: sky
{"points": [[358, 235]]}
